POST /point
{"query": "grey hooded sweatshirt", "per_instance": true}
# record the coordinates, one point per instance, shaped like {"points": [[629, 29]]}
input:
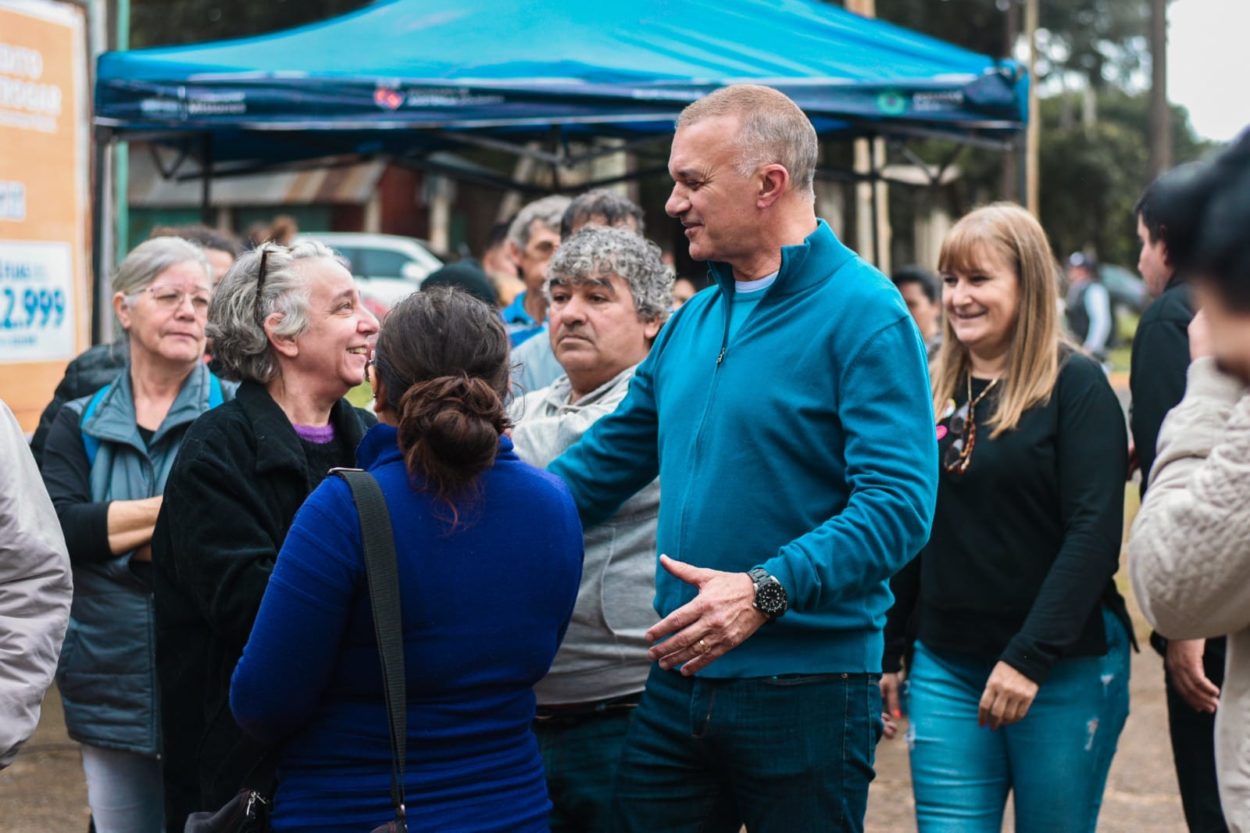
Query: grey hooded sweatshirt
{"points": [[604, 653]]}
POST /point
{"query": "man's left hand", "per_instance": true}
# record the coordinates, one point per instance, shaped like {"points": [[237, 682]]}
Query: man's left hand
{"points": [[720, 618]]}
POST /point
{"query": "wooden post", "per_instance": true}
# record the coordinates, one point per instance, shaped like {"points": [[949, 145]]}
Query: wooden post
{"points": [[1034, 130], [1160, 114]]}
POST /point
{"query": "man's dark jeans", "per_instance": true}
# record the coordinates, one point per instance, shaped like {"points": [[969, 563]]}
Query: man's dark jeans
{"points": [[778, 754], [580, 757], [1193, 749]]}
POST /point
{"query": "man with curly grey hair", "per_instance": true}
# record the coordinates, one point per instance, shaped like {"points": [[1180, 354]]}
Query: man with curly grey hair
{"points": [[609, 294], [786, 411]]}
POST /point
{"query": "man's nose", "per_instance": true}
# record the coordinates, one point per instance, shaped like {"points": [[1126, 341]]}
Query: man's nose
{"points": [[676, 204]]}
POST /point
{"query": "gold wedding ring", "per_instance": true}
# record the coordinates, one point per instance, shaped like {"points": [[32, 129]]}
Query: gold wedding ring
{"points": [[702, 646]]}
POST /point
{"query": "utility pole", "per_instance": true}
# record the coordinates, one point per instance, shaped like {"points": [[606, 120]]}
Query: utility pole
{"points": [[1034, 129], [872, 198], [1160, 114]]}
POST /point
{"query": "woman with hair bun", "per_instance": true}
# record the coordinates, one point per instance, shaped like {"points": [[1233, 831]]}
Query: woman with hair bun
{"points": [[489, 559]]}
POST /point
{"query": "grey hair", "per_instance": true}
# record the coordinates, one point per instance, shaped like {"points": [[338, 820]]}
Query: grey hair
{"points": [[772, 129], [240, 344], [614, 209], [596, 252], [548, 211], [151, 257]]}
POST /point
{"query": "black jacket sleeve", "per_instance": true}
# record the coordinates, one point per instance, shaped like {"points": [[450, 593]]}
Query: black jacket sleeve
{"points": [[67, 476], [214, 538], [901, 623], [1157, 382], [1092, 458]]}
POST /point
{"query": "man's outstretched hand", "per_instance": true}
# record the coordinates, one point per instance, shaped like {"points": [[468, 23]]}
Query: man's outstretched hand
{"points": [[720, 618]]}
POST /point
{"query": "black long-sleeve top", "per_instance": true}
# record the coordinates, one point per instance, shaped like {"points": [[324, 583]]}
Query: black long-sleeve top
{"points": [[1157, 372], [1026, 541]]}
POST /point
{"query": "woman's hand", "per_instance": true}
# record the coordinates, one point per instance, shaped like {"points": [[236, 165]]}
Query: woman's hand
{"points": [[1008, 695], [891, 684], [1199, 336]]}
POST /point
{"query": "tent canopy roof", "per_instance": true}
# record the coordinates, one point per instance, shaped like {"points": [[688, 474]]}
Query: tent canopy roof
{"points": [[364, 82]]}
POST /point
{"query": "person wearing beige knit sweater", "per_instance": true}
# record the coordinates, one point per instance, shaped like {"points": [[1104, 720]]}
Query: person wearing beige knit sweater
{"points": [[1189, 552]]}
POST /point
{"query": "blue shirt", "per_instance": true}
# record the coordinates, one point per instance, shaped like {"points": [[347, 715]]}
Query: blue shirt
{"points": [[520, 325], [484, 605], [804, 443]]}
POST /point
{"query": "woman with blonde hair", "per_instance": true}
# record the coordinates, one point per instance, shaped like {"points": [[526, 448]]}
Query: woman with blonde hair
{"points": [[1019, 679]]}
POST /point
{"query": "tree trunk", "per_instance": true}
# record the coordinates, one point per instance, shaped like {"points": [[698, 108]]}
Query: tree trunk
{"points": [[1160, 114]]}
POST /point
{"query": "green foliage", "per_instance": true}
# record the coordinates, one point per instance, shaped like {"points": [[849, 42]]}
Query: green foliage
{"points": [[1092, 176], [170, 22]]}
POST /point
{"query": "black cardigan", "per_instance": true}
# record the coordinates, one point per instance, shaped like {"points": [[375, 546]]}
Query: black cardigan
{"points": [[239, 479], [1025, 543]]}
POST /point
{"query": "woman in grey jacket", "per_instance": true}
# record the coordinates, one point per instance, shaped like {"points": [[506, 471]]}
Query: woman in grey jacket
{"points": [[1189, 554], [105, 465]]}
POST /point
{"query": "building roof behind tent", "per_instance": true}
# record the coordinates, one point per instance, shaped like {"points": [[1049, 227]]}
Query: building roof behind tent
{"points": [[505, 67]]}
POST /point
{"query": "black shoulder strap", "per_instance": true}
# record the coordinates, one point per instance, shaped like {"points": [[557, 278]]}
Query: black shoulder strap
{"points": [[383, 579]]}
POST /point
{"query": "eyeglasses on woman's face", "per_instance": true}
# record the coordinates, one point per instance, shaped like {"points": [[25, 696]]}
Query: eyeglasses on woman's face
{"points": [[170, 298]]}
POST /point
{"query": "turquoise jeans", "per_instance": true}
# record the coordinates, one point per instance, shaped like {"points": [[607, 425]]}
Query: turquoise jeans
{"points": [[1054, 761]]}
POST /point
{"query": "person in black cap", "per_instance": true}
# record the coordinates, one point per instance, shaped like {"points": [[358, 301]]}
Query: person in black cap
{"points": [[466, 275]]}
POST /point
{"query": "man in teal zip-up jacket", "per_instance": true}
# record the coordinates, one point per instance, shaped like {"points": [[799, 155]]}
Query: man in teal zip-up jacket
{"points": [[787, 413]]}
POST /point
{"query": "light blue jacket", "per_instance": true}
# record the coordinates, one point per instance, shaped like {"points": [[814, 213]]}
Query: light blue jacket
{"points": [[805, 445], [107, 673]]}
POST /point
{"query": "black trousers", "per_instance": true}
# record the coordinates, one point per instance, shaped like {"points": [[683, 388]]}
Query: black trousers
{"points": [[1193, 749]]}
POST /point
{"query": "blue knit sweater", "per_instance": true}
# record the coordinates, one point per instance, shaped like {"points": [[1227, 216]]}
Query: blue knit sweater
{"points": [[484, 609], [804, 444]]}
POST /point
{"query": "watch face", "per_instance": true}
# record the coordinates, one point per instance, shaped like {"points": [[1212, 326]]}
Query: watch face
{"points": [[770, 598]]}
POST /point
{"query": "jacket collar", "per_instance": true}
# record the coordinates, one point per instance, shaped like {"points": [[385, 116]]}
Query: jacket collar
{"points": [[114, 418], [381, 446], [556, 398], [277, 444], [822, 246]]}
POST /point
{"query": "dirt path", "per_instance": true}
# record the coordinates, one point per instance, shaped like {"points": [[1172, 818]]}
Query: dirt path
{"points": [[44, 790]]}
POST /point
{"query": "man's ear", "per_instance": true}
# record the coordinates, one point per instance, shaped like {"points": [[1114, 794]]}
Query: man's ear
{"points": [[514, 254], [121, 310], [286, 345], [774, 180], [651, 329]]}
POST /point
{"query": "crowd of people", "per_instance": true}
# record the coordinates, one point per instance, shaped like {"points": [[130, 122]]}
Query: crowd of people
{"points": [[668, 559]]}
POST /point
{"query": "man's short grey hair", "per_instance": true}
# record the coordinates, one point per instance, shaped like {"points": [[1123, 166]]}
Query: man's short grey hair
{"points": [[548, 211], [596, 252], [236, 327], [603, 204], [772, 130], [151, 257]]}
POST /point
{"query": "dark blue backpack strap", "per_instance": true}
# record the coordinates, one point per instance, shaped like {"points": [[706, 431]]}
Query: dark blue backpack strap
{"points": [[89, 443]]}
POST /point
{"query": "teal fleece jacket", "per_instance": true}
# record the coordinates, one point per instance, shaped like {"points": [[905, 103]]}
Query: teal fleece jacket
{"points": [[805, 445]]}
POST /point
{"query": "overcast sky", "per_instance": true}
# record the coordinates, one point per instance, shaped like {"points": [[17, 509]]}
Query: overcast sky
{"points": [[1209, 64]]}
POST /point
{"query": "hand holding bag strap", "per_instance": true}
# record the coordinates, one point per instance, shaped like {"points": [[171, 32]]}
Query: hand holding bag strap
{"points": [[382, 576]]}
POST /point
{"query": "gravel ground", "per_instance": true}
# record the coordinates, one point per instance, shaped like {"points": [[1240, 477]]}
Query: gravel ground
{"points": [[44, 790]]}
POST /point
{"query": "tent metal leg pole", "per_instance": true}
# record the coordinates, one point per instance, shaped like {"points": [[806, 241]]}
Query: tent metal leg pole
{"points": [[875, 181], [99, 232], [1021, 150], [206, 181]]}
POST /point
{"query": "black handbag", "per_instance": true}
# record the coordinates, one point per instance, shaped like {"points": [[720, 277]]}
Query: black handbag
{"points": [[248, 811], [382, 576]]}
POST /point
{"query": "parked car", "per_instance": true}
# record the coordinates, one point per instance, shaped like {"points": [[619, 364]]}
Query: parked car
{"points": [[387, 267], [1127, 291]]}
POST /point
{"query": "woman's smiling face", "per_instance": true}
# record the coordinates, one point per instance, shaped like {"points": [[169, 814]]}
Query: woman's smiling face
{"points": [[982, 303]]}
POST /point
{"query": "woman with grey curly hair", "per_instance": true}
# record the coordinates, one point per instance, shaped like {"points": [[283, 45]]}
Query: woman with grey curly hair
{"points": [[288, 323], [106, 463]]}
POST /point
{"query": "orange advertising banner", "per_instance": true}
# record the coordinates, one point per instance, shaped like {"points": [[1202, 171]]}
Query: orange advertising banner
{"points": [[45, 302]]}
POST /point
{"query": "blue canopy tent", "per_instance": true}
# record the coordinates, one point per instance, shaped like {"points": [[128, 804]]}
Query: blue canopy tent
{"points": [[401, 74], [405, 78]]}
